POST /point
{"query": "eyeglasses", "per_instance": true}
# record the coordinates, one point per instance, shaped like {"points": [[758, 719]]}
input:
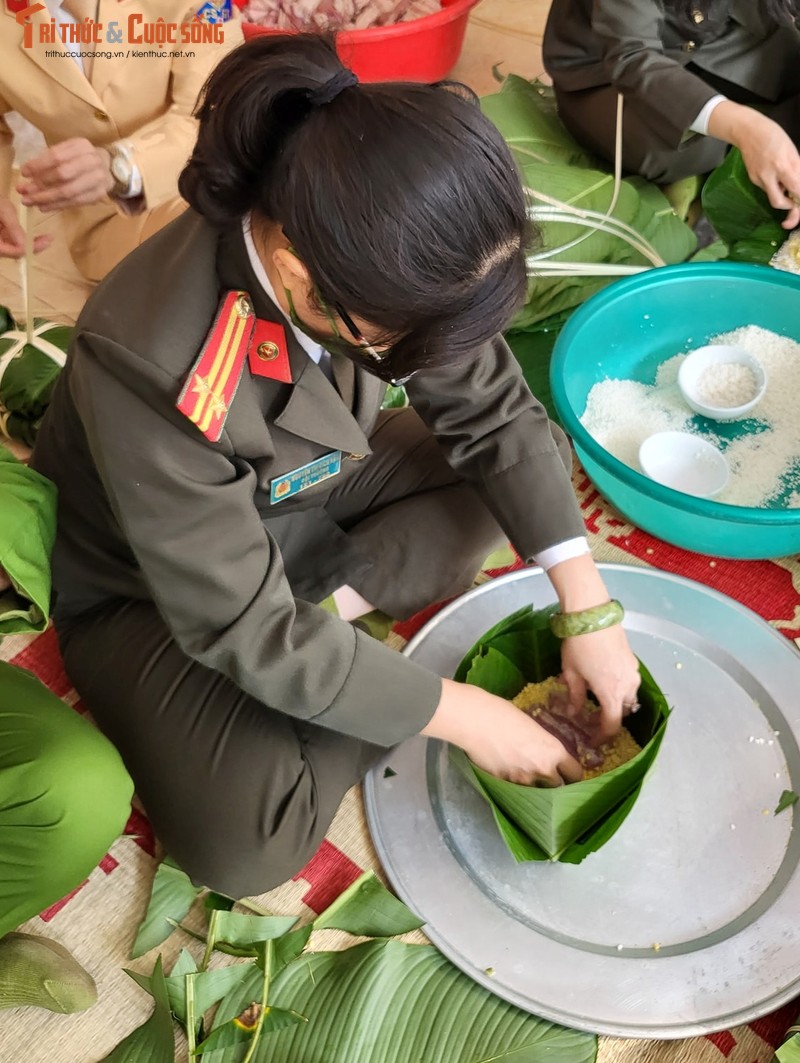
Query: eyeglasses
{"points": [[379, 359], [362, 352]]}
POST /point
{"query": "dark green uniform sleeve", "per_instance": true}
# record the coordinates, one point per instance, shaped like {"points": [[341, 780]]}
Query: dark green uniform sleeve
{"points": [[497, 436], [669, 97], [187, 509]]}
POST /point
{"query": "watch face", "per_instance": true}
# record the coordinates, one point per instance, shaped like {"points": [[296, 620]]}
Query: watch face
{"points": [[121, 170]]}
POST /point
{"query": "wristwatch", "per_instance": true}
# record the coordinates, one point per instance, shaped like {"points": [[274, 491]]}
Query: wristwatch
{"points": [[121, 169]]}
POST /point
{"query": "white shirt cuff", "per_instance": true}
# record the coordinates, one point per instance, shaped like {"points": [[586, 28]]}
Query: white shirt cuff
{"points": [[700, 124], [565, 551]]}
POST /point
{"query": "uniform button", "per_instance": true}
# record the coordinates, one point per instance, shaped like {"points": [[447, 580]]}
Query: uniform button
{"points": [[689, 46], [356, 457], [101, 116], [698, 17], [268, 351]]}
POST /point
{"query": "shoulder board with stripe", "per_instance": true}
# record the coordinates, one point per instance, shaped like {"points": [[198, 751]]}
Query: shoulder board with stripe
{"points": [[209, 389]]}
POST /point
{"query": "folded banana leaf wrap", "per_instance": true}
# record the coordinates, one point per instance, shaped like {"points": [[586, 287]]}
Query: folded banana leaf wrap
{"points": [[586, 222], [564, 823], [28, 373]]}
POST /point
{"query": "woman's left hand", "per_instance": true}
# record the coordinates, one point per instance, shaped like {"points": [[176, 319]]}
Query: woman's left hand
{"points": [[602, 662]]}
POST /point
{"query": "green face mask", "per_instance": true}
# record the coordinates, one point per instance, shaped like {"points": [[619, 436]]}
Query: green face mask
{"points": [[361, 352]]}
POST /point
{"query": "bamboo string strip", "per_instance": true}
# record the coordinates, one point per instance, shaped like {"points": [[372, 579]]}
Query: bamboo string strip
{"points": [[26, 270]]}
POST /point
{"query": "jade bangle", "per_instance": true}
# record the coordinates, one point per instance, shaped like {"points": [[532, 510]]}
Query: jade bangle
{"points": [[598, 618]]}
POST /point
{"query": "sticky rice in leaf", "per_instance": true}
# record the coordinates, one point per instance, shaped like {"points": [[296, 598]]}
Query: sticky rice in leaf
{"points": [[564, 823]]}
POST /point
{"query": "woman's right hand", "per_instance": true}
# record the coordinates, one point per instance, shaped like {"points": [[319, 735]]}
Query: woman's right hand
{"points": [[499, 738], [769, 154]]}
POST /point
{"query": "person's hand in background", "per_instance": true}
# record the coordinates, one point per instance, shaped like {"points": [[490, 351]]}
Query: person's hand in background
{"points": [[12, 235], [769, 154], [74, 173]]}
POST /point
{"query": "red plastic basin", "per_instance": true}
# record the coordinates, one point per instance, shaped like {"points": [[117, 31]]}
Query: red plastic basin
{"points": [[425, 49]]}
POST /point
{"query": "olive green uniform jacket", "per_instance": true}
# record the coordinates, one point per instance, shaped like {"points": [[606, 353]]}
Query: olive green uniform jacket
{"points": [[641, 49], [150, 509]]}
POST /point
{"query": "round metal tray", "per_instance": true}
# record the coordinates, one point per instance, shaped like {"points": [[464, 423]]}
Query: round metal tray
{"points": [[688, 920]]}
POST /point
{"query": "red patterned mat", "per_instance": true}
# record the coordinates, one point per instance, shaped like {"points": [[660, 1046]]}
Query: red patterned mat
{"points": [[97, 920]]}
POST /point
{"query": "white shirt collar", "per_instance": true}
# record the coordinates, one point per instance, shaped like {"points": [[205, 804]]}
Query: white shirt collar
{"points": [[313, 349]]}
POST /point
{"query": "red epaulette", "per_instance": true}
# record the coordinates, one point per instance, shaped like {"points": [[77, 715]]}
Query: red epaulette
{"points": [[211, 385]]}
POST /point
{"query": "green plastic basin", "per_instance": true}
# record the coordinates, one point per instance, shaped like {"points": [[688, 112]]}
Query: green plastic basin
{"points": [[625, 332]]}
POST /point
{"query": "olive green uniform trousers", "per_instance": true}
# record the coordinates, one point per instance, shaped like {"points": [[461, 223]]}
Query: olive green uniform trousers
{"points": [[64, 797], [64, 793]]}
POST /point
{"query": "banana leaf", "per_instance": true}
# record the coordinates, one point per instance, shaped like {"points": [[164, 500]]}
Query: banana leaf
{"points": [[173, 894], [553, 164], [209, 986], [27, 531], [28, 373], [393, 1002], [741, 213], [565, 823], [395, 398], [368, 909], [789, 1052], [382, 1000], [154, 1040]]}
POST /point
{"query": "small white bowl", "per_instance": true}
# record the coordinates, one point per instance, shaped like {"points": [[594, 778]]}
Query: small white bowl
{"points": [[695, 364], [685, 463]]}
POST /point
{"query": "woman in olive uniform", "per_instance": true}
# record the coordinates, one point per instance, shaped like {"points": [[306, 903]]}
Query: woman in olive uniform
{"points": [[223, 465], [695, 77]]}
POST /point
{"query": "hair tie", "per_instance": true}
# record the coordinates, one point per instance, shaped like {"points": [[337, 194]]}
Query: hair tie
{"points": [[324, 94]]}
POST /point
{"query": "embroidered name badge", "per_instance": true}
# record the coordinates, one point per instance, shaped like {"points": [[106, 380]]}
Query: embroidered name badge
{"points": [[283, 487]]}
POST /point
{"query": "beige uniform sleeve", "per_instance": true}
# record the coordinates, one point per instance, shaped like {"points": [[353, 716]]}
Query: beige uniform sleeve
{"points": [[188, 512], [161, 147]]}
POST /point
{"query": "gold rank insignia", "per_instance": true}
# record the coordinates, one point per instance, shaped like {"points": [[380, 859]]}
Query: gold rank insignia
{"points": [[209, 389]]}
